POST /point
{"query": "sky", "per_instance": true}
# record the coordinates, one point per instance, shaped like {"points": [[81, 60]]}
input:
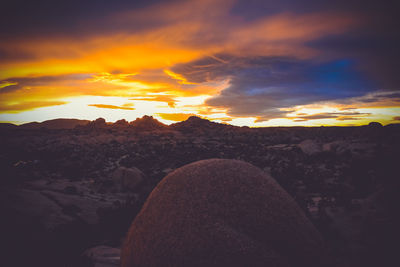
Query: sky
{"points": [[242, 62]]}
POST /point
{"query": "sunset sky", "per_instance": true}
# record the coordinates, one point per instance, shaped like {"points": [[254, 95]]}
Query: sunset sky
{"points": [[244, 62]]}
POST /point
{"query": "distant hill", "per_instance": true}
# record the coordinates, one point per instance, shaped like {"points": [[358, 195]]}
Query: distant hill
{"points": [[148, 123], [7, 125], [55, 124], [193, 124]]}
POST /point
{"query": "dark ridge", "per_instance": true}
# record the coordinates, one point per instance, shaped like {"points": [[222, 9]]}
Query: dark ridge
{"points": [[196, 124], [30, 125], [193, 124], [393, 125], [374, 124], [147, 123], [99, 123], [55, 124], [120, 124], [5, 125]]}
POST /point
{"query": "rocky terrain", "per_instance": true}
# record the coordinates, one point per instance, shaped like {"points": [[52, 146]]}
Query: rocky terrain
{"points": [[69, 189]]}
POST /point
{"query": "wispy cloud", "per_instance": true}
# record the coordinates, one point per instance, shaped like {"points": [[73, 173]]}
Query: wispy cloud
{"points": [[341, 116], [111, 106], [29, 105]]}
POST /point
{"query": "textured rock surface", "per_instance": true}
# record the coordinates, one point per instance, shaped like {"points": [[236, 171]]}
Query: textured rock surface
{"points": [[51, 221], [310, 147], [221, 213], [128, 178]]}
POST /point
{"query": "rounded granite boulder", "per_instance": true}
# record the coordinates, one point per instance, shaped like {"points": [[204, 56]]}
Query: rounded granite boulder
{"points": [[221, 213]]}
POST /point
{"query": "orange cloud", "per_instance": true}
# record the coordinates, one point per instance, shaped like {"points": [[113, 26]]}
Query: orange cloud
{"points": [[176, 76], [170, 100], [111, 106], [175, 116], [6, 84], [29, 105]]}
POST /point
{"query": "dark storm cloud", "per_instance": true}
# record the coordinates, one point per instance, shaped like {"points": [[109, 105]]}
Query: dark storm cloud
{"points": [[43, 17], [382, 98], [342, 116], [258, 8], [375, 52], [378, 97], [263, 86], [15, 56], [374, 45]]}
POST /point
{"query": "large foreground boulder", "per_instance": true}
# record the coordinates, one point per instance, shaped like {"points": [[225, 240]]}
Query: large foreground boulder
{"points": [[221, 213]]}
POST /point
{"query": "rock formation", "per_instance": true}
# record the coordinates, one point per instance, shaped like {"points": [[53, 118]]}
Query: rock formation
{"points": [[199, 126], [128, 178], [221, 213], [147, 123], [309, 147], [55, 124]]}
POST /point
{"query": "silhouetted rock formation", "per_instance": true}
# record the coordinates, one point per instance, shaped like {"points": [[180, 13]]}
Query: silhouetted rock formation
{"points": [[31, 125], [120, 124], [375, 124], [198, 125], [147, 123], [221, 213], [7, 126], [99, 123], [55, 124]]}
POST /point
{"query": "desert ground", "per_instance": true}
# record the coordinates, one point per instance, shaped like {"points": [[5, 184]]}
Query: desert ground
{"points": [[70, 189]]}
